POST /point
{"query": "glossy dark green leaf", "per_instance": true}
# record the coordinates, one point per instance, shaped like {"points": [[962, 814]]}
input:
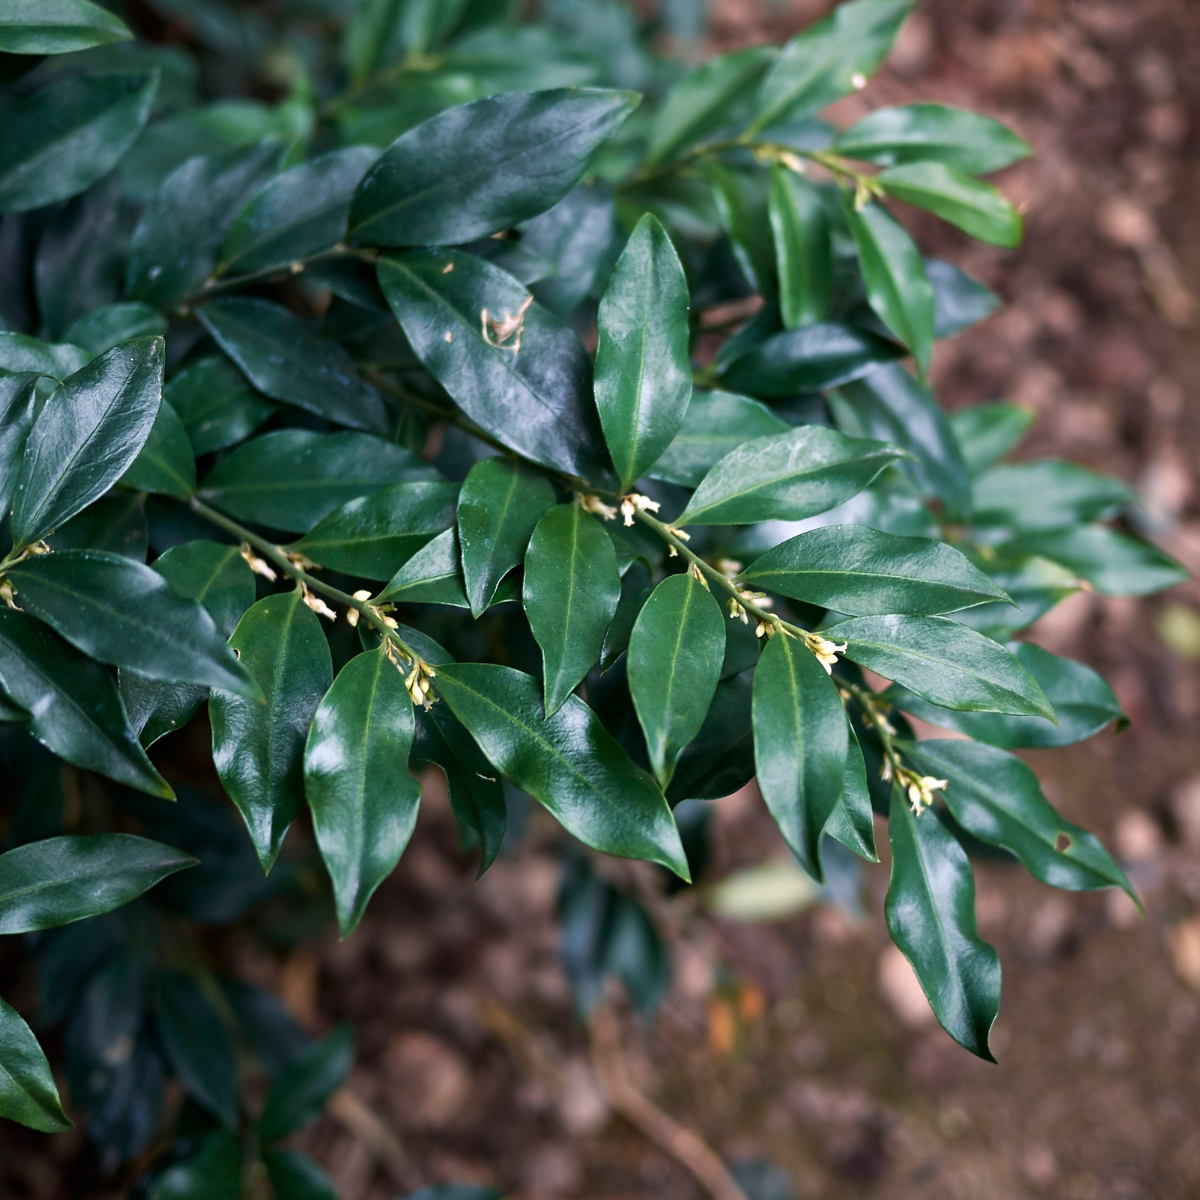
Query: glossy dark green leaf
{"points": [[382, 32], [825, 61], [573, 238], [198, 1044], [741, 204], [61, 138], [720, 759], [291, 478], [862, 572], [568, 762], [975, 207], [894, 275], [116, 522], [675, 656], [28, 1094], [19, 352], [432, 576], [296, 1177], [58, 26], [944, 662], [301, 1089], [1115, 564], [1035, 585], [1083, 703], [571, 591], [86, 435], [995, 797], [535, 397], [216, 405], [297, 214], [643, 376], [800, 745], [63, 879], [500, 504], [181, 229], [635, 591], [375, 535], [852, 821], [699, 102], [889, 404], [214, 1173], [803, 259], [72, 704], [362, 796], [109, 326], [715, 423], [786, 476], [1046, 494], [124, 613], [258, 749], [165, 465], [481, 167], [808, 360], [958, 300], [930, 909], [289, 363], [935, 133], [987, 432], [18, 406]]}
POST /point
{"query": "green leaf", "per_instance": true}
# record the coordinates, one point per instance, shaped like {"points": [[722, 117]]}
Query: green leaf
{"points": [[803, 257], [985, 433], [291, 478], [571, 591], [362, 797], [175, 244], [894, 275], [19, 352], [573, 238], [742, 207], [215, 404], [958, 300], [69, 133], [635, 591], [889, 404], [862, 572], [165, 465], [1046, 494], [568, 762], [800, 745], [699, 102], [1115, 564], [27, 1091], [109, 326], [198, 1045], [932, 133], [284, 360], [18, 406], [975, 207], [675, 656], [715, 424], [375, 535], [71, 704], [786, 476], [431, 576], [126, 614], [297, 214], [1035, 585], [296, 1177], [57, 26], [808, 360], [536, 398], [944, 662], [63, 879], [86, 435], [215, 1173], [643, 376], [115, 522], [479, 168], [500, 504], [852, 821], [301, 1089], [995, 797], [1083, 703], [258, 749], [720, 759], [827, 60], [930, 909]]}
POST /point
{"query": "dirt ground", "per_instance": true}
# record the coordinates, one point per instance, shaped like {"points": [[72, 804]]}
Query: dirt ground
{"points": [[801, 1043]]}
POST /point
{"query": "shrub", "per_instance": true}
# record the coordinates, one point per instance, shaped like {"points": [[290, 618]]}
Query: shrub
{"points": [[323, 362]]}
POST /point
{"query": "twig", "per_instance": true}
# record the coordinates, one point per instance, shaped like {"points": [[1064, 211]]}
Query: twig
{"points": [[364, 1123], [679, 1142]]}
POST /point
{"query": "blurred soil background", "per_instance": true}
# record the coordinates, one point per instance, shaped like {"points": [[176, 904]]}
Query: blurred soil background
{"points": [[803, 1048]]}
